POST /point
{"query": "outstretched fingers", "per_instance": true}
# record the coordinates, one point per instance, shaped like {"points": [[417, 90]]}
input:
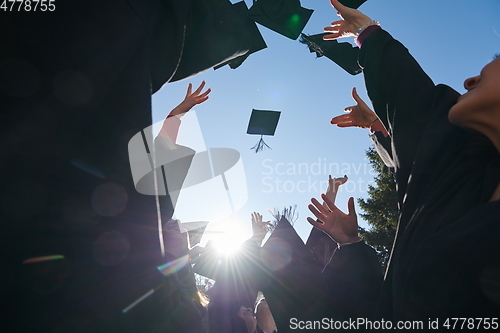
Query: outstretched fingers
{"points": [[335, 30], [343, 121], [340, 119], [200, 88], [316, 223], [351, 207], [256, 218], [329, 203], [205, 94], [341, 180], [316, 213], [322, 209]]}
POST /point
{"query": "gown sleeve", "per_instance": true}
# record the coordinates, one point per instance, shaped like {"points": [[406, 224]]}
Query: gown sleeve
{"points": [[354, 279], [404, 98]]}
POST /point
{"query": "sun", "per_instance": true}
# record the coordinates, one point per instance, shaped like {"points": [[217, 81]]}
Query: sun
{"points": [[227, 244], [229, 241]]}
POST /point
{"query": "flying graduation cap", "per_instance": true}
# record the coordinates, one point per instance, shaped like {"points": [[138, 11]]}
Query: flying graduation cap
{"points": [[195, 231], [352, 3], [263, 122], [285, 17], [258, 43], [343, 54]]}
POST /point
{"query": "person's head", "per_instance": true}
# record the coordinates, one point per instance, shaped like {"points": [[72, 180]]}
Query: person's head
{"points": [[264, 316], [479, 108]]}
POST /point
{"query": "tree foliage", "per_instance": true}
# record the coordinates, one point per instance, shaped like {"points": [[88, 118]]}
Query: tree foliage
{"points": [[380, 209]]}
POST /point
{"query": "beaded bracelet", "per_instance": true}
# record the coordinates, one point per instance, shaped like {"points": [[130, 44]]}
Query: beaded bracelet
{"points": [[366, 25]]}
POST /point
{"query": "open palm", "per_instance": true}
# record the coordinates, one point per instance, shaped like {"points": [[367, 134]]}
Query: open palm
{"points": [[341, 227]]}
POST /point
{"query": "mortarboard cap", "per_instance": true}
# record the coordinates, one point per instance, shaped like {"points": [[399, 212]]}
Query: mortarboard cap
{"points": [[285, 17], [343, 54], [258, 43], [352, 3], [195, 231], [263, 122]]}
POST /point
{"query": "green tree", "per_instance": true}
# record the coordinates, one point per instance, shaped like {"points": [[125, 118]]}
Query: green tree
{"points": [[380, 209]]}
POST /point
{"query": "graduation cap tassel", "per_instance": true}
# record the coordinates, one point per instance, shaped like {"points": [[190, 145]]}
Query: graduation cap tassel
{"points": [[288, 213], [313, 47], [260, 145]]}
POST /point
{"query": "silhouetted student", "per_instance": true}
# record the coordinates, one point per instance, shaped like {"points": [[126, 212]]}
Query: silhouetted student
{"points": [[175, 305], [299, 287], [233, 296], [444, 148], [322, 245], [350, 268], [76, 85]]}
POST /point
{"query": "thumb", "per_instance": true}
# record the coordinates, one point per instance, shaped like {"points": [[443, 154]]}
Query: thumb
{"points": [[337, 5], [356, 97], [350, 207]]}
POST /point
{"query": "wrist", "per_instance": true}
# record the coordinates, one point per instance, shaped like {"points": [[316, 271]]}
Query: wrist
{"points": [[352, 240], [258, 239], [378, 126], [180, 110], [365, 24]]}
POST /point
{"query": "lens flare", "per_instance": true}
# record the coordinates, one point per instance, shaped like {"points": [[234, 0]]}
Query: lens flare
{"points": [[173, 266], [140, 299], [45, 258], [294, 20]]}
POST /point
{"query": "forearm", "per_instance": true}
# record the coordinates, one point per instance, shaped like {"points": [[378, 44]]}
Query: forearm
{"points": [[403, 96], [395, 82], [180, 110], [170, 128]]}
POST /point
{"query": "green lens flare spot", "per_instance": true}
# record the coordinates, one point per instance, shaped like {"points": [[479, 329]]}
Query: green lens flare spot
{"points": [[294, 20]]}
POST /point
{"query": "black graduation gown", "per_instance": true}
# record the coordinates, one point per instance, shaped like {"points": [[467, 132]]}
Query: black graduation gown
{"points": [[445, 259], [297, 286], [75, 86]]}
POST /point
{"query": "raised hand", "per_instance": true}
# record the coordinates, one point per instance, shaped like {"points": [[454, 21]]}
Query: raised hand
{"points": [[352, 20], [359, 115], [333, 187], [341, 227], [191, 99], [259, 228]]}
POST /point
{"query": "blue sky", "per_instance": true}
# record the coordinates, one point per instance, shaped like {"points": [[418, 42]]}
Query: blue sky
{"points": [[452, 40]]}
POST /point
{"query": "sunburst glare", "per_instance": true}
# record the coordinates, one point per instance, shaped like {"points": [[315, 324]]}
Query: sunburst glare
{"points": [[231, 239]]}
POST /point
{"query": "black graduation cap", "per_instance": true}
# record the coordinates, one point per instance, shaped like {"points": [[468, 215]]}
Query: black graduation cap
{"points": [[343, 54], [195, 231], [352, 3], [258, 43], [263, 122], [286, 17]]}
